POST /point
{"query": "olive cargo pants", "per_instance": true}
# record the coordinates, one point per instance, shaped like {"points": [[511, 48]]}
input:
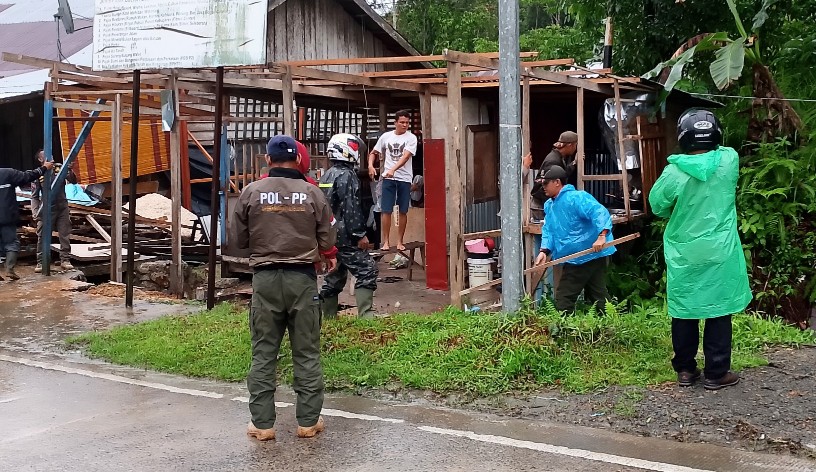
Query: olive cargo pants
{"points": [[285, 299]]}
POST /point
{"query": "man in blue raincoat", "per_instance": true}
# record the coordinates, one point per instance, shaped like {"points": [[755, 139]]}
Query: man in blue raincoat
{"points": [[707, 277], [575, 222]]}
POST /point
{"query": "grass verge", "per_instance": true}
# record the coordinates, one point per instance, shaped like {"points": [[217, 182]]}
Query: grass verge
{"points": [[447, 351]]}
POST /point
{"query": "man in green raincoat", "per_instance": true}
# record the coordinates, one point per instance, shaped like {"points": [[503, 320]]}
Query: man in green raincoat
{"points": [[707, 275]]}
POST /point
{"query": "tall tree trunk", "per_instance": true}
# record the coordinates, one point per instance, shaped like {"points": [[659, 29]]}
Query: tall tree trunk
{"points": [[771, 115]]}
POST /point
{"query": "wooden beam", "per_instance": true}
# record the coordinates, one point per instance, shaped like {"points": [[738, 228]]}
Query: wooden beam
{"points": [[288, 103], [526, 182], [588, 178], [474, 60], [455, 189], [444, 70], [176, 265], [425, 112], [622, 151], [391, 59], [352, 79], [116, 185], [99, 229], [580, 156], [49, 64], [82, 106], [252, 119]]}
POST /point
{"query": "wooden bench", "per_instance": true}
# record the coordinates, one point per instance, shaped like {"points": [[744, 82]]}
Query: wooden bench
{"points": [[409, 252]]}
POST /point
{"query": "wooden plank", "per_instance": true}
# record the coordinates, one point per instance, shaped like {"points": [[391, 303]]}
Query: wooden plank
{"points": [[588, 178], [526, 146], [294, 23], [544, 267], [116, 184], [252, 119], [425, 112], [288, 103], [142, 188], [455, 189], [99, 229], [494, 233], [580, 154], [352, 79], [444, 70], [82, 106], [622, 151], [176, 265], [489, 63], [394, 59]]}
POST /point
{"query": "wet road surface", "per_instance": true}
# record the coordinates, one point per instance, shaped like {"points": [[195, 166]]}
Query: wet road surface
{"points": [[59, 411]]}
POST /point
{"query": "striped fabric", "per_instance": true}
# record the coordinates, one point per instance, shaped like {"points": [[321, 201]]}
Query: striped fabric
{"points": [[94, 159]]}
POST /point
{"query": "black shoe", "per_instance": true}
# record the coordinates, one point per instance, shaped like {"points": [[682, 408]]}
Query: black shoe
{"points": [[726, 380], [687, 379]]}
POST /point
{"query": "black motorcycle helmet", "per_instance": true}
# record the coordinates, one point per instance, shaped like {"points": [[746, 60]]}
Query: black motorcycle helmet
{"points": [[698, 130]]}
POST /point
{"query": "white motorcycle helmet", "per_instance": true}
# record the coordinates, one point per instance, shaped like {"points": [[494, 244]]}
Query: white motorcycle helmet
{"points": [[344, 147]]}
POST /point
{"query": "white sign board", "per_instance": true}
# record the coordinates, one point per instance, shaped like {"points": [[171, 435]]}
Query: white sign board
{"points": [[163, 34]]}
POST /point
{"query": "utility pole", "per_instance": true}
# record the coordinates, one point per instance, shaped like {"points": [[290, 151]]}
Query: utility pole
{"points": [[510, 157]]}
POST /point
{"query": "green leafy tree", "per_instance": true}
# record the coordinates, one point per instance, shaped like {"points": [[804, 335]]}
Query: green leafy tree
{"points": [[771, 115]]}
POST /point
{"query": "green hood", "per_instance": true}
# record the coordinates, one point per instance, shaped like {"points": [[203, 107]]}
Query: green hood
{"points": [[699, 166]]}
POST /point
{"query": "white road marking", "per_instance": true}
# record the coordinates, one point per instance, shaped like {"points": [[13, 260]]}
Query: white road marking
{"points": [[111, 377], [356, 416], [277, 404], [563, 451]]}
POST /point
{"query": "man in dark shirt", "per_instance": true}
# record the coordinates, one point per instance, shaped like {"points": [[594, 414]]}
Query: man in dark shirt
{"points": [[60, 217], [10, 179]]}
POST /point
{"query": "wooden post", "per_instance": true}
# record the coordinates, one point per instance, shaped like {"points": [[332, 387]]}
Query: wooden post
{"points": [[456, 214], [383, 117], [288, 103], [425, 111], [134, 167], [176, 265], [622, 150], [580, 154], [116, 190], [526, 146]]}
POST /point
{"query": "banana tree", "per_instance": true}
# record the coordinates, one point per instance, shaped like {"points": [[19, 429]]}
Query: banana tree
{"points": [[771, 115]]}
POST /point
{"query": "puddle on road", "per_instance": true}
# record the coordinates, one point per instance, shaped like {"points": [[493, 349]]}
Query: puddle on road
{"points": [[37, 314]]}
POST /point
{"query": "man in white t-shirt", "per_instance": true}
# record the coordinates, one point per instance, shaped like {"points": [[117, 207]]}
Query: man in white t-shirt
{"points": [[396, 149]]}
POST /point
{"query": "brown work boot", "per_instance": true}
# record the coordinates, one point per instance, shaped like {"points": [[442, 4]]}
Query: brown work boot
{"points": [[260, 434], [311, 431], [686, 378], [726, 380]]}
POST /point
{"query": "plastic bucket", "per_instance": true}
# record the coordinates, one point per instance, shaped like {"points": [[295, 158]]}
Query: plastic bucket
{"points": [[479, 272]]}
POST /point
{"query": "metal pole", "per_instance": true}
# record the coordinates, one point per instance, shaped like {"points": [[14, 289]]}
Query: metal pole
{"points": [[510, 157], [134, 162], [45, 197], [215, 200]]}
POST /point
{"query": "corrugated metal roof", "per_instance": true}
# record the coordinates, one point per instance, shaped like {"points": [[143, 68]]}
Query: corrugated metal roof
{"points": [[31, 11], [40, 40], [33, 81]]}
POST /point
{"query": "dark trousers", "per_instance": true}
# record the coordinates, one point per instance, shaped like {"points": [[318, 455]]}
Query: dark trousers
{"points": [[8, 239], [285, 300], [359, 263], [716, 345], [61, 223], [589, 277]]}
